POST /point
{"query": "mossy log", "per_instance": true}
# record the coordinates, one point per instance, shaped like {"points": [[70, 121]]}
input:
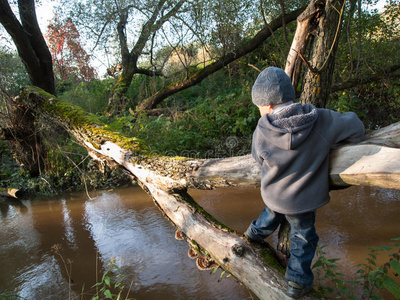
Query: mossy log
{"points": [[167, 179]]}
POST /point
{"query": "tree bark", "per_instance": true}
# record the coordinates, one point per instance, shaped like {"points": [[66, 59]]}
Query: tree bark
{"points": [[117, 100], [31, 46], [167, 179], [307, 23], [26, 143], [319, 25]]}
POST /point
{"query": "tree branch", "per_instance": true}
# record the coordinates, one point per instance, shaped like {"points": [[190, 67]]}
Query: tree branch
{"points": [[148, 72], [147, 30], [388, 73], [30, 43], [123, 19], [255, 42]]}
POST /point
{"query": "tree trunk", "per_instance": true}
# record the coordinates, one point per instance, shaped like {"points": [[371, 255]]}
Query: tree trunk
{"points": [[26, 143], [31, 46], [167, 179], [118, 98], [307, 23], [318, 78]]}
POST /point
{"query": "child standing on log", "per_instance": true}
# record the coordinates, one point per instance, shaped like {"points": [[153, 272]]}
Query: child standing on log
{"points": [[292, 143]]}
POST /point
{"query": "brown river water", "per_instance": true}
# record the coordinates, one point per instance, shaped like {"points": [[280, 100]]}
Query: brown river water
{"points": [[126, 225]]}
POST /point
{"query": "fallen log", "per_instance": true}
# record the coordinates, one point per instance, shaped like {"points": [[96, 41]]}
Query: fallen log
{"points": [[373, 162], [9, 193], [167, 179]]}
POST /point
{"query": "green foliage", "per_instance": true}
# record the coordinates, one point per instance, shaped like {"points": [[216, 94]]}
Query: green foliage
{"points": [[369, 46], [348, 101], [377, 278], [111, 285], [219, 122], [203, 130], [13, 75], [9, 296], [377, 104], [143, 87], [327, 271], [7, 166], [223, 272], [371, 278], [368, 43], [91, 96], [70, 169]]}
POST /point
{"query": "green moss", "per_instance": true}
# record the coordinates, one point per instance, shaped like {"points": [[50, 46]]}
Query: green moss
{"points": [[100, 134], [87, 123], [38, 91], [196, 247], [271, 261], [71, 114]]}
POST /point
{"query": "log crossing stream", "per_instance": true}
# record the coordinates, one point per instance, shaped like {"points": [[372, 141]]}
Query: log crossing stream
{"points": [[126, 224]]}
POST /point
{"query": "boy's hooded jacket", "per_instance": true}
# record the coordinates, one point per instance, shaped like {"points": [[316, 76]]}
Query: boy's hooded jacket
{"points": [[292, 146]]}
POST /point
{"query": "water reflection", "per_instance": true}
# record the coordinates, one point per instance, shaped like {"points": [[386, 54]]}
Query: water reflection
{"points": [[11, 203], [355, 219], [124, 224]]}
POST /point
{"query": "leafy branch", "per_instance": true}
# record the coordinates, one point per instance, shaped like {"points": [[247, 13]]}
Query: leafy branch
{"points": [[371, 278]]}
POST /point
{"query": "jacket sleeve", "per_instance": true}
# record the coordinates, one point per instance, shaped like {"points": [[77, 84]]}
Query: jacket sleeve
{"points": [[346, 127], [255, 146]]}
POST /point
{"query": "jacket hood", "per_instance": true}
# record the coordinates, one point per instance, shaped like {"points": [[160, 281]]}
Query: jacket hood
{"points": [[288, 128]]}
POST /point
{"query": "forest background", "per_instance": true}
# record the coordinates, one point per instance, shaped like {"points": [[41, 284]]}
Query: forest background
{"points": [[179, 76]]}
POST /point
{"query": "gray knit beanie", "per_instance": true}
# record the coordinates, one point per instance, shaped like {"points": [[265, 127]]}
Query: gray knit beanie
{"points": [[272, 86]]}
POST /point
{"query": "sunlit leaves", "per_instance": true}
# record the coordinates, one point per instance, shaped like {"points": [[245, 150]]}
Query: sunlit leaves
{"points": [[70, 59], [13, 74]]}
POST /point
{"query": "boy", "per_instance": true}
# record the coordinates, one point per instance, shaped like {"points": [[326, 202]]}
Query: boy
{"points": [[292, 144]]}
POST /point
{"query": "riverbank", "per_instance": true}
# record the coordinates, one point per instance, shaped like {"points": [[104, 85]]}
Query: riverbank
{"points": [[70, 170]]}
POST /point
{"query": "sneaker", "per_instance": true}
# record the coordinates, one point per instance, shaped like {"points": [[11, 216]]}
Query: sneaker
{"points": [[255, 240], [297, 291]]}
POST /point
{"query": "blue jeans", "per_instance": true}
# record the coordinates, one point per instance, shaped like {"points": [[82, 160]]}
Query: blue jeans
{"points": [[303, 238]]}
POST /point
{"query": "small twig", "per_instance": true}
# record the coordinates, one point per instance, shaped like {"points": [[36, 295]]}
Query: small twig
{"points": [[270, 29], [83, 175], [282, 3], [334, 7], [254, 67], [97, 258], [312, 70], [44, 179], [129, 290]]}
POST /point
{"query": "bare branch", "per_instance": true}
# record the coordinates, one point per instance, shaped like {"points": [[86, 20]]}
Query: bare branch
{"points": [[255, 42], [390, 72], [272, 32], [149, 72], [282, 4]]}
